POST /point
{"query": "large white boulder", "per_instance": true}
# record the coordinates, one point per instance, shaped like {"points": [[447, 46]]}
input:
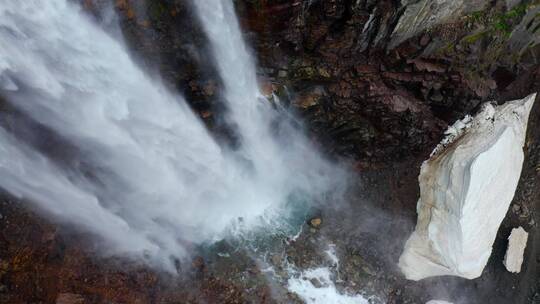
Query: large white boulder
{"points": [[517, 241], [466, 187]]}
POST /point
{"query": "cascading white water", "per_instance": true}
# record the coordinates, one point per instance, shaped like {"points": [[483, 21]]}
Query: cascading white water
{"points": [[236, 67], [269, 147], [154, 180]]}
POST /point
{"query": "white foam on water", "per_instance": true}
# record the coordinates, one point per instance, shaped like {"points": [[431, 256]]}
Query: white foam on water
{"points": [[315, 286]]}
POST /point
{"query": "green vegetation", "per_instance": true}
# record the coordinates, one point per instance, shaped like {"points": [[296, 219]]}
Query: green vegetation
{"points": [[504, 22], [500, 23], [474, 37]]}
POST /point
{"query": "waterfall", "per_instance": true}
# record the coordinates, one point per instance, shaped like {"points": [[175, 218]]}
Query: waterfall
{"points": [[236, 68], [144, 176]]}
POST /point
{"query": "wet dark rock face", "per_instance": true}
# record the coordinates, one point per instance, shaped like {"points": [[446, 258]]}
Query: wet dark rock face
{"points": [[371, 83], [378, 99]]}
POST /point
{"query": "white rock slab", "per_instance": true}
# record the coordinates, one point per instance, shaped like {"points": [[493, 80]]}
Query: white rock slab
{"points": [[438, 302], [466, 187], [517, 241]]}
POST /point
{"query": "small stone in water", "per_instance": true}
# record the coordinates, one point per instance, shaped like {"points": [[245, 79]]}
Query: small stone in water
{"points": [[316, 283], [276, 259], [315, 222]]}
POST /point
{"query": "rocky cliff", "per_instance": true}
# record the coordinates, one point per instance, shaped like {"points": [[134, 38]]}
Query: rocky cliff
{"points": [[375, 80]]}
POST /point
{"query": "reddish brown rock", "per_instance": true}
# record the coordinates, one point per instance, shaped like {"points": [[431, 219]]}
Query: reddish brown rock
{"points": [[69, 298]]}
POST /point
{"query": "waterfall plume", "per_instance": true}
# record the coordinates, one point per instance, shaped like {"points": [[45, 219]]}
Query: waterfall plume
{"points": [[145, 176]]}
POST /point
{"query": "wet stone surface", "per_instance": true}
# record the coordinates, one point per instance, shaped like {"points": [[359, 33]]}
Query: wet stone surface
{"points": [[381, 109]]}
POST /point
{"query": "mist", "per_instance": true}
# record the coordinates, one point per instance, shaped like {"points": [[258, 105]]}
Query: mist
{"points": [[145, 176]]}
